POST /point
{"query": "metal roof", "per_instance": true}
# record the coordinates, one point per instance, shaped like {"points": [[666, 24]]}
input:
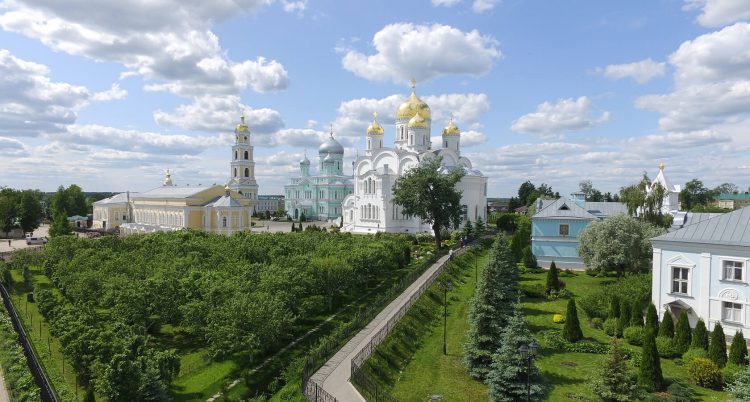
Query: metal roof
{"points": [[223, 201], [734, 196], [731, 229], [172, 192], [589, 210], [116, 199]]}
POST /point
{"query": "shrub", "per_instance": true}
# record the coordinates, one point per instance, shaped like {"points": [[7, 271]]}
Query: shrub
{"points": [[596, 323], [738, 349], [704, 373], [553, 282], [649, 375], [665, 347], [613, 382], [717, 349], [682, 333], [700, 336], [633, 287], [652, 318], [666, 328], [533, 291], [614, 307], [610, 326], [675, 392], [739, 387], [634, 335], [558, 319], [529, 260], [731, 371], [636, 315], [694, 353], [572, 330]]}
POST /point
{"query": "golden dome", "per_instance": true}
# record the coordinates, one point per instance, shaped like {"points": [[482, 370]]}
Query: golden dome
{"points": [[375, 128], [451, 128], [417, 121], [242, 127], [413, 106]]}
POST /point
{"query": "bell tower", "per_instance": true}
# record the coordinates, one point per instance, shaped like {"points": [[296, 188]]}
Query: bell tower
{"points": [[242, 167]]}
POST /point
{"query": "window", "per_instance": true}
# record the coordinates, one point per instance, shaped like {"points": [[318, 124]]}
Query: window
{"points": [[733, 270], [732, 312], [247, 172], [564, 230], [564, 208], [224, 222], [680, 280], [246, 155]]}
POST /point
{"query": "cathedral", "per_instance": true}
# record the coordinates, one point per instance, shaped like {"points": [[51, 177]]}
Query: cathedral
{"points": [[319, 196], [370, 208], [223, 209]]}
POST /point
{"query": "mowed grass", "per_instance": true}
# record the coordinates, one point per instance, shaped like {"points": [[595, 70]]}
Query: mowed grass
{"points": [[570, 372], [411, 362]]}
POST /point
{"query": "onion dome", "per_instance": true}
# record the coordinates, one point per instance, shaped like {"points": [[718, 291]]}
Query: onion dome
{"points": [[331, 146], [242, 127], [413, 106], [328, 159], [305, 161], [417, 122], [451, 128], [375, 128]]}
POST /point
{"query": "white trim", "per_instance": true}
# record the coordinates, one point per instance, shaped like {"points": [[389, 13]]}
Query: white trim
{"points": [[742, 260]]}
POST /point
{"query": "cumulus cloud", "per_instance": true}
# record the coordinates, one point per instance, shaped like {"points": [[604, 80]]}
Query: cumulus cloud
{"points": [[641, 71], [114, 93], [480, 6], [716, 13], [557, 118], [166, 41], [445, 3], [423, 52], [220, 114]]}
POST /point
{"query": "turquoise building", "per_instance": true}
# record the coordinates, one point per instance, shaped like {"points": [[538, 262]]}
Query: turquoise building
{"points": [[319, 196], [556, 226]]}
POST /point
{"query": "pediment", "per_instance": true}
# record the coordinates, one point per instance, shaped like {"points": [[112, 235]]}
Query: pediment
{"points": [[682, 261]]}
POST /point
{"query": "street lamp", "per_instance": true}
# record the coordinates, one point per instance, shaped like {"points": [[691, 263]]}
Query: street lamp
{"points": [[445, 286], [528, 353]]}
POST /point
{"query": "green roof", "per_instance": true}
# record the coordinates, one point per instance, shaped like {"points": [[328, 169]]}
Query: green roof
{"points": [[733, 196]]}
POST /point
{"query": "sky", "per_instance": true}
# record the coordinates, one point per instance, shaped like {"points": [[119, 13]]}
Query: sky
{"points": [[107, 95]]}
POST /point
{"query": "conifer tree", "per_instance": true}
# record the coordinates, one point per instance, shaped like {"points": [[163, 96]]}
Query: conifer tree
{"points": [[738, 349], [613, 382], [682, 334], [553, 282], [652, 319], [89, 394], [667, 326], [700, 336], [614, 308], [624, 320], [491, 307], [717, 349], [507, 377], [636, 315], [572, 329], [650, 376]]}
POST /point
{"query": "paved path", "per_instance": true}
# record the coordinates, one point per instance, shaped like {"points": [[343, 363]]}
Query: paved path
{"points": [[334, 375], [3, 392]]}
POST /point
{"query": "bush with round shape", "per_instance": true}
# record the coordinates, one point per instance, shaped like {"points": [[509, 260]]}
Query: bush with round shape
{"points": [[634, 335], [694, 353], [665, 347], [666, 328], [704, 373], [700, 336], [610, 326], [739, 387], [596, 323], [717, 349], [558, 319], [731, 371], [738, 349], [682, 333]]}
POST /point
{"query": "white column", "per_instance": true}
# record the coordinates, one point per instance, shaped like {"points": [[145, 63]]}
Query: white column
{"points": [[656, 280], [705, 286]]}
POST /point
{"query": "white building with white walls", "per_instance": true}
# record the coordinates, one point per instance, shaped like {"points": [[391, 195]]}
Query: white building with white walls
{"points": [[370, 208], [671, 203]]}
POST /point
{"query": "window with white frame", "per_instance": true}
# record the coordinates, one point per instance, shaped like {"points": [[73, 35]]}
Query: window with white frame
{"points": [[731, 311], [680, 280], [732, 270]]}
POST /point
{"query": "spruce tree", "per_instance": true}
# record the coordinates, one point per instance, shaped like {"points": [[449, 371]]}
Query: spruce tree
{"points": [[636, 315], [507, 377], [553, 282], [572, 329], [682, 333], [667, 326], [700, 336], [614, 308], [738, 349], [491, 307], [613, 382], [652, 319], [650, 376], [717, 349]]}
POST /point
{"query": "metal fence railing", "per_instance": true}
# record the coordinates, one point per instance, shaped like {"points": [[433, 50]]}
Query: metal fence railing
{"points": [[47, 392]]}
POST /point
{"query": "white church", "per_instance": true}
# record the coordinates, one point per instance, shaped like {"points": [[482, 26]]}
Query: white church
{"points": [[370, 209]]}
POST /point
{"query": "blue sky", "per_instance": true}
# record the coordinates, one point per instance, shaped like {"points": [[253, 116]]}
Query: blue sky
{"points": [[556, 92]]}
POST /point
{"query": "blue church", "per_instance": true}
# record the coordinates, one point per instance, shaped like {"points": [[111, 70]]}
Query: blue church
{"points": [[557, 224]]}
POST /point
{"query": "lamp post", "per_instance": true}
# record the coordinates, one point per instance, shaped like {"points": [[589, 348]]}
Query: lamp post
{"points": [[528, 353], [445, 286]]}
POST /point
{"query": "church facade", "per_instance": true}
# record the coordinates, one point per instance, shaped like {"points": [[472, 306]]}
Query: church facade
{"points": [[218, 209], [319, 196], [370, 207]]}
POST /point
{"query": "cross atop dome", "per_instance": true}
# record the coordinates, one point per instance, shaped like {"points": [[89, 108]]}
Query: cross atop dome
{"points": [[413, 84], [661, 166]]}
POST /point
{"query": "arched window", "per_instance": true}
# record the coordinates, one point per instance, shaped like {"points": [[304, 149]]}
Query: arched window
{"points": [[246, 155], [235, 155], [235, 172], [247, 172]]}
